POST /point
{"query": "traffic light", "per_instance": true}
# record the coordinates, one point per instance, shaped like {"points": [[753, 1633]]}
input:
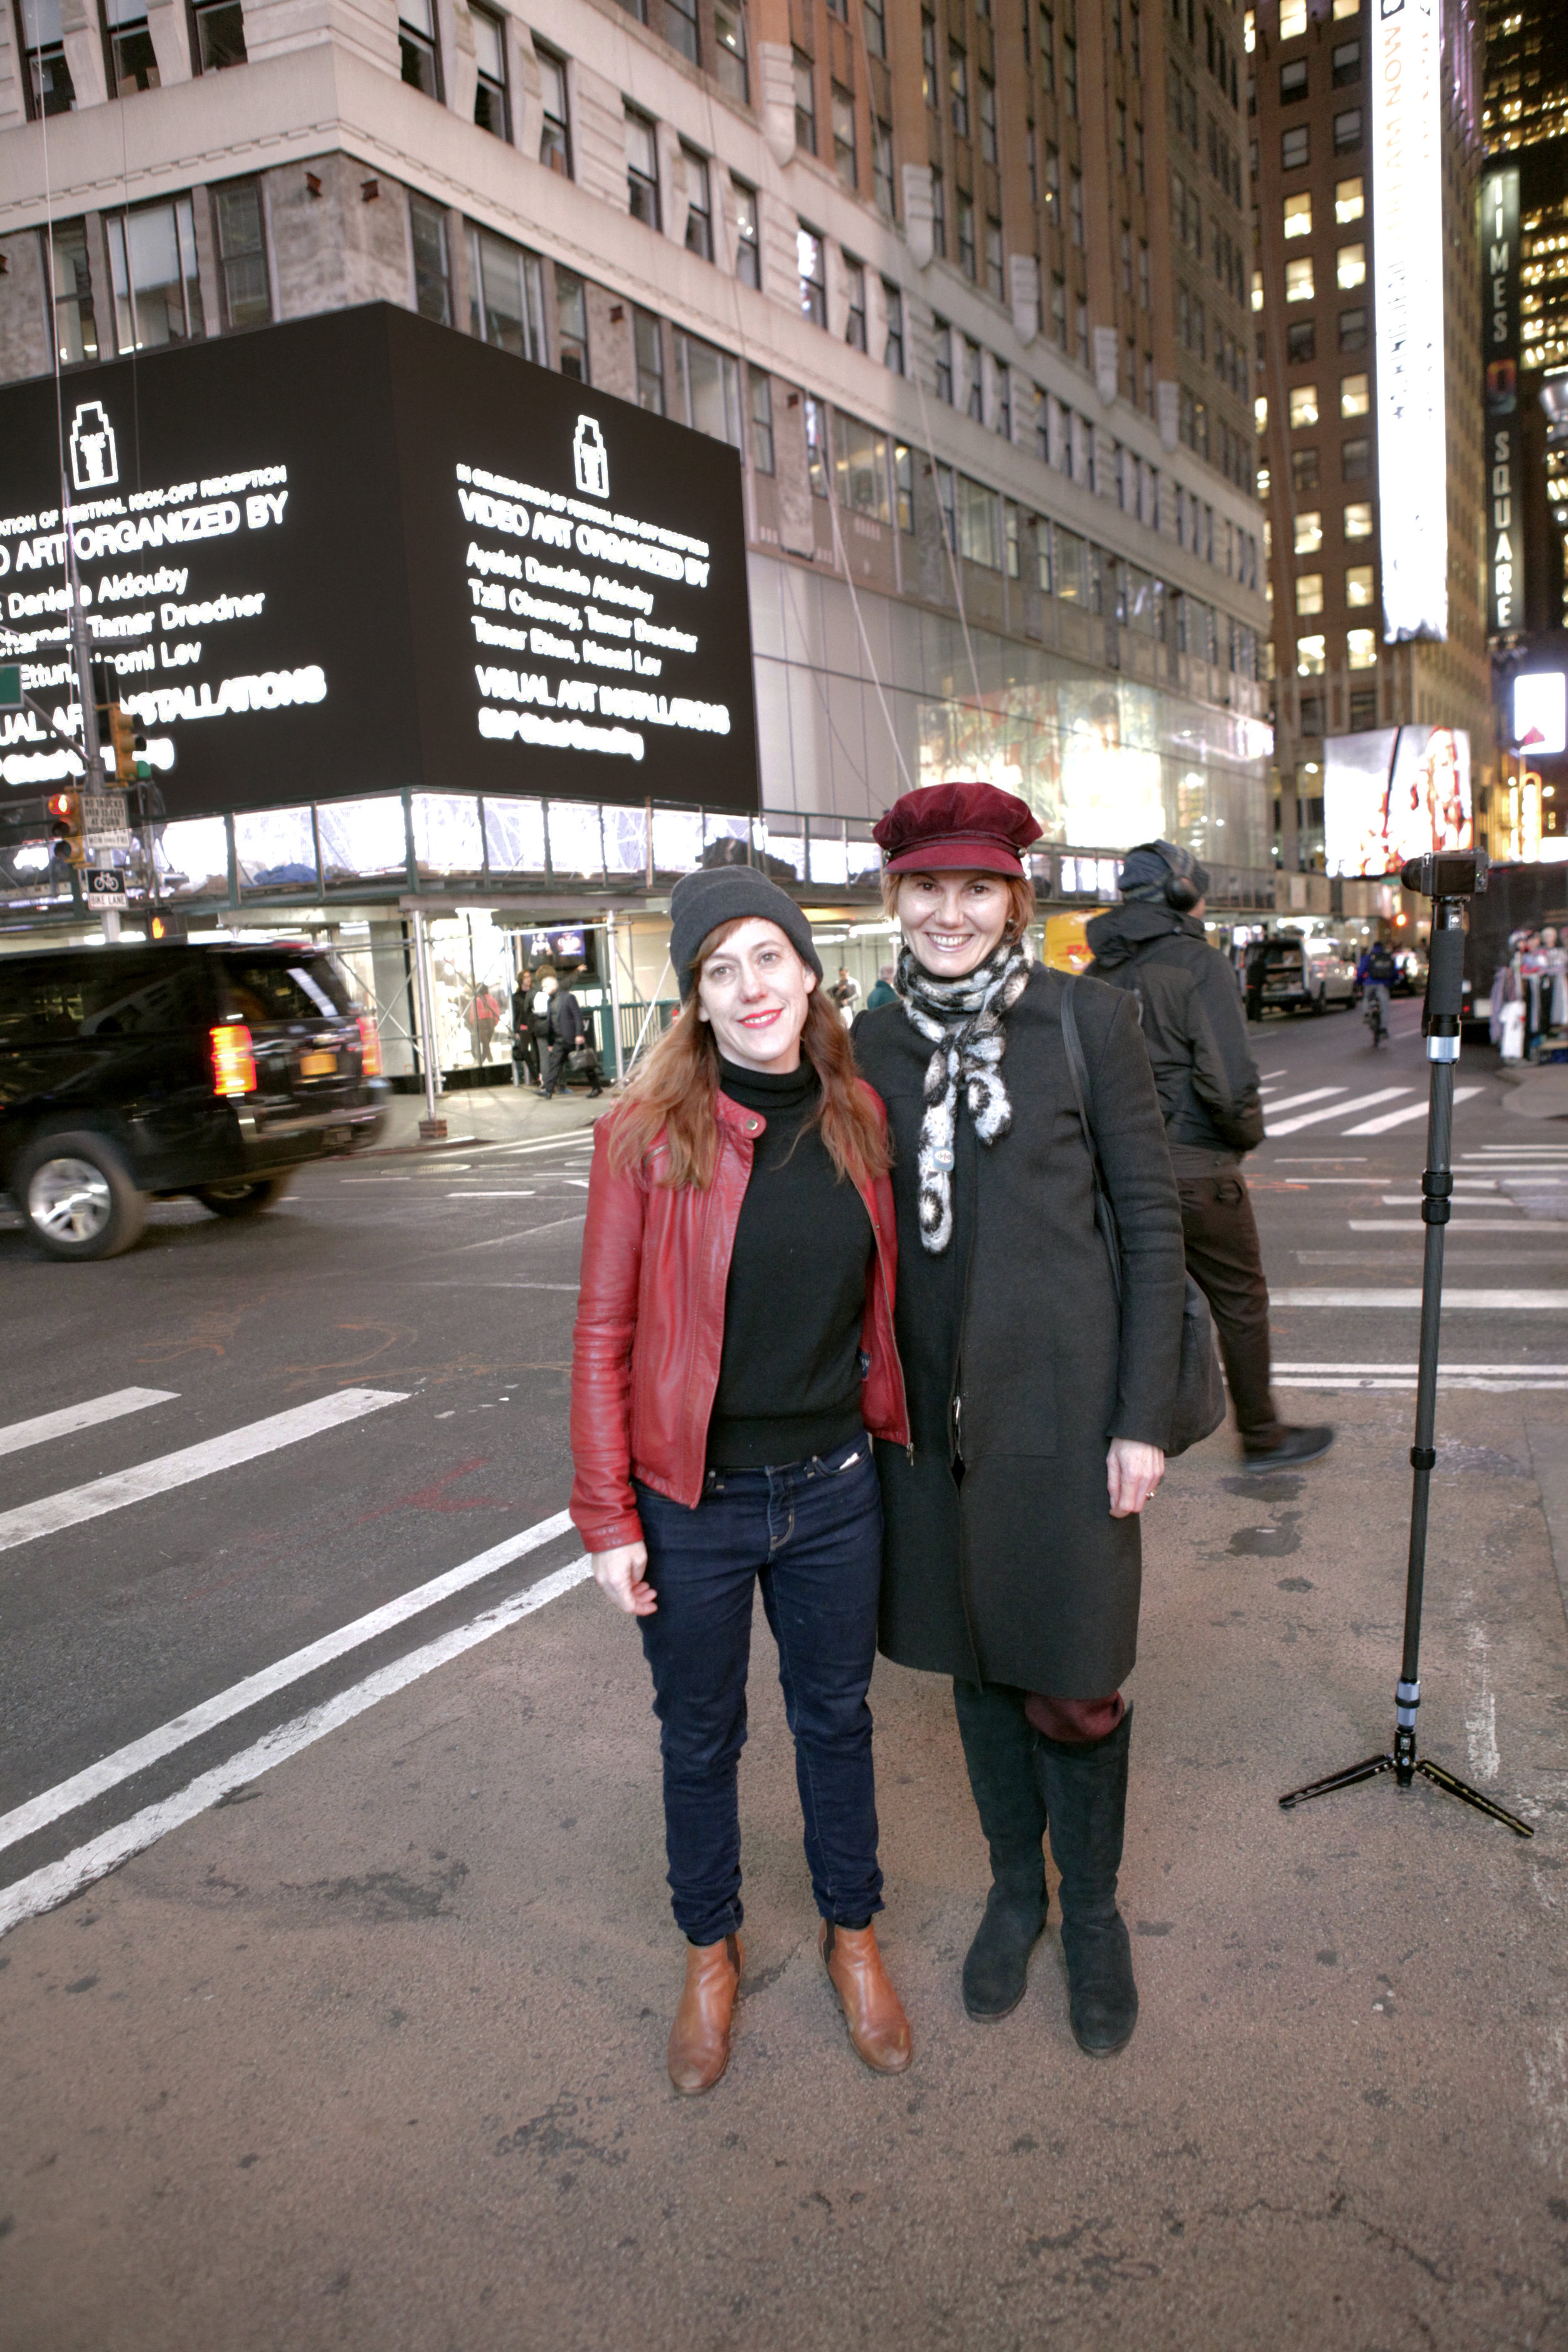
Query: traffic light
{"points": [[128, 745], [68, 848]]}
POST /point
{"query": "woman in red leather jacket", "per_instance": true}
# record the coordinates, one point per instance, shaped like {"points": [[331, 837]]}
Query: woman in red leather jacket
{"points": [[734, 1344]]}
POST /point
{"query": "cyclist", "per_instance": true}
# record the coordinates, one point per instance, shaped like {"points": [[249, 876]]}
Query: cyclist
{"points": [[1377, 980]]}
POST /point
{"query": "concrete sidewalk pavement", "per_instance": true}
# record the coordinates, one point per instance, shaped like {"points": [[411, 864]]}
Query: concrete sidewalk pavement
{"points": [[476, 1115], [373, 2054]]}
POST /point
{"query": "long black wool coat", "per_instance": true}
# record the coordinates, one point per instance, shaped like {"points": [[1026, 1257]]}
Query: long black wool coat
{"points": [[1003, 1563]]}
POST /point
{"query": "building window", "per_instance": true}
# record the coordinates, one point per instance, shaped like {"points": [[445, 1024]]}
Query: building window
{"points": [[1310, 660], [1347, 130], [1053, 183], [1075, 208], [942, 346], [642, 171], [1293, 82], [748, 250], [506, 305], [49, 80], [1358, 522], [1350, 266], [1358, 586], [810, 264], [1059, 312], [994, 259], [965, 234], [1299, 285], [958, 89], [1299, 216], [979, 524], [1350, 201], [815, 446], [75, 328], [1080, 332], [699, 204], [860, 469], [893, 309], [1360, 649], [1294, 149], [1355, 459], [220, 35], [241, 244], [882, 167], [492, 111], [1363, 703], [152, 262], [1308, 533], [1292, 19], [1257, 296], [680, 27], [974, 382], [729, 68], [133, 63], [647, 350], [1346, 63], [988, 119], [804, 103], [1309, 593], [846, 161], [571, 325], [1121, 139], [873, 17], [1144, 296], [1355, 395], [929, 80], [710, 381], [1301, 342], [904, 485], [855, 324], [432, 268], [762, 422], [1070, 78], [1303, 406], [939, 215], [1352, 331], [1303, 470], [555, 130], [416, 44]]}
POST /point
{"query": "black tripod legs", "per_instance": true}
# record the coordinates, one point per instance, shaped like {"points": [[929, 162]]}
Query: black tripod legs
{"points": [[1374, 1765], [1369, 1770], [1469, 1796]]}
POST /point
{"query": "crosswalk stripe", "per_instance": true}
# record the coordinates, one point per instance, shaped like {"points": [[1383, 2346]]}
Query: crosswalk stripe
{"points": [[72, 1417], [82, 1786], [1335, 1110], [58, 1881], [1403, 1118], [1403, 1382], [1490, 1371], [1459, 1226], [1315, 1094], [1484, 1301], [68, 1509]]}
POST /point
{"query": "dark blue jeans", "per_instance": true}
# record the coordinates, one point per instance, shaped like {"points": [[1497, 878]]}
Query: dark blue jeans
{"points": [[811, 1533]]}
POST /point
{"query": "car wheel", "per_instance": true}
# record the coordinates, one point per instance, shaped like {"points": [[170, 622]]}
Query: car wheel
{"points": [[79, 1197], [1319, 1002], [246, 1197]]}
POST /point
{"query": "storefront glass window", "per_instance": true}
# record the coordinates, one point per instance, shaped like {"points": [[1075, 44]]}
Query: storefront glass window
{"points": [[514, 836], [361, 838], [677, 840], [447, 838], [193, 857], [575, 845], [276, 850], [625, 840], [829, 865]]}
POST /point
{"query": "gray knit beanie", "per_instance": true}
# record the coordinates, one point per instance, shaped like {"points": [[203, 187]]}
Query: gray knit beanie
{"points": [[699, 902], [1146, 870]]}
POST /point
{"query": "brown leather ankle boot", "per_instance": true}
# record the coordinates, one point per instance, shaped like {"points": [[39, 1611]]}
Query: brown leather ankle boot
{"points": [[700, 2038], [873, 2011]]}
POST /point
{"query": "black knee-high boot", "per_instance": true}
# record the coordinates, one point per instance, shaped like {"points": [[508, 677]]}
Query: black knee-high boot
{"points": [[999, 1748], [1085, 1791]]}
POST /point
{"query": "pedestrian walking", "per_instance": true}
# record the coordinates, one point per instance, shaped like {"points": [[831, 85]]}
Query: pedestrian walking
{"points": [[734, 1344], [524, 1044], [882, 991], [844, 992], [1038, 1409], [483, 1017], [1155, 948], [568, 1035], [546, 984]]}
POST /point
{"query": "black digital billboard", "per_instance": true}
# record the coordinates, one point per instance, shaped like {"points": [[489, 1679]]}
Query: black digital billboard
{"points": [[360, 553]]}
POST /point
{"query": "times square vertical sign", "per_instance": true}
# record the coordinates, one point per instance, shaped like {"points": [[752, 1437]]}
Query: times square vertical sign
{"points": [[1408, 261], [1500, 338]]}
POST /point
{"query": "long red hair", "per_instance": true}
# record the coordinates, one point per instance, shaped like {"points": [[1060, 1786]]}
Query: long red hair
{"points": [[671, 1093]]}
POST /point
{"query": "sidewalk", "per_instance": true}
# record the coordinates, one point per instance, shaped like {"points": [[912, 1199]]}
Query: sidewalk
{"points": [[372, 2055], [477, 1115], [1536, 1090]]}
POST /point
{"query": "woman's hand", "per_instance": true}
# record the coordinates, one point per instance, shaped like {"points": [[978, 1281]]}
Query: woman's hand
{"points": [[1131, 1473], [620, 1574]]}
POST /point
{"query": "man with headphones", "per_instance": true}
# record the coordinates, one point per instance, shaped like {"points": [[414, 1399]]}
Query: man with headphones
{"points": [[1154, 945]]}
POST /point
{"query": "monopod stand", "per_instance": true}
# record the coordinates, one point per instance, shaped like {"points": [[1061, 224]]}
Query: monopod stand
{"points": [[1445, 996]]}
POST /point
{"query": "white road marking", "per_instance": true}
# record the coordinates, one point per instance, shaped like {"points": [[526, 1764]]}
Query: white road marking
{"points": [[1458, 1227], [530, 1194], [1403, 1118], [1488, 1301], [1490, 1371], [1273, 1074], [58, 1881], [1293, 1102], [1322, 1160], [82, 1786], [1337, 1110], [524, 1232], [1495, 1380], [1477, 1194], [75, 1504], [70, 1417]]}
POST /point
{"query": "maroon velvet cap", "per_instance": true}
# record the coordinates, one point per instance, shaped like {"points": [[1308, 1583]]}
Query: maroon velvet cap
{"points": [[942, 827]]}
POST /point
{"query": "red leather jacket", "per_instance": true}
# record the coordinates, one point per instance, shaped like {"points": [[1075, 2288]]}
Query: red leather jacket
{"points": [[650, 1327]]}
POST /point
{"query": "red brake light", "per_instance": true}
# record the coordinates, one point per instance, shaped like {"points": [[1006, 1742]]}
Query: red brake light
{"points": [[369, 1047], [233, 1060]]}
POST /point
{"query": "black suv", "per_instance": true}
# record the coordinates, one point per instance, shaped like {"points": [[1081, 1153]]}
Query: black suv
{"points": [[130, 1073]]}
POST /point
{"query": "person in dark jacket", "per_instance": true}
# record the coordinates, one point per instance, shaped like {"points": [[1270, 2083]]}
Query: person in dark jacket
{"points": [[882, 990], [734, 1344], [1153, 947], [525, 1069], [1038, 1409], [568, 1031]]}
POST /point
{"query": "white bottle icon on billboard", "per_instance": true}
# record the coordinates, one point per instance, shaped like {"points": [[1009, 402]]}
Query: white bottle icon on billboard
{"points": [[591, 460], [95, 461]]}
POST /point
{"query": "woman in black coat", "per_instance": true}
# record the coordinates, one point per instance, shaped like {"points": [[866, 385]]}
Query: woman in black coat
{"points": [[1038, 1410]]}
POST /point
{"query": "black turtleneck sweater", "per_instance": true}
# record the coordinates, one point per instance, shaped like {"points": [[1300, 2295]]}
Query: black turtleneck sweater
{"points": [[789, 1377]]}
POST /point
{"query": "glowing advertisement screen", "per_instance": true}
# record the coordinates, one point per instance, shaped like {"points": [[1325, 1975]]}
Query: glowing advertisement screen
{"points": [[1394, 793], [1499, 347], [1541, 713], [1408, 275], [362, 553]]}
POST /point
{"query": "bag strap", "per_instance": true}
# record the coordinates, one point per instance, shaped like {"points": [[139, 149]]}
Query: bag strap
{"points": [[1078, 1071]]}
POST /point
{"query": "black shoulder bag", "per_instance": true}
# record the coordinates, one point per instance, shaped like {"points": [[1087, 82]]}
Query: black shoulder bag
{"points": [[1199, 1405]]}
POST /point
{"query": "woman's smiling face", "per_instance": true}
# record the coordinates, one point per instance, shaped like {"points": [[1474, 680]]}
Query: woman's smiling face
{"points": [[755, 992], [953, 921]]}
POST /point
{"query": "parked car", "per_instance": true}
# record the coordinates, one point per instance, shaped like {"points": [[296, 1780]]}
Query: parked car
{"points": [[1306, 975], [129, 1074]]}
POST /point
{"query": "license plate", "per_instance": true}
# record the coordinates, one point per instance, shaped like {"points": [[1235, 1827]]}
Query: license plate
{"points": [[317, 1065]]}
